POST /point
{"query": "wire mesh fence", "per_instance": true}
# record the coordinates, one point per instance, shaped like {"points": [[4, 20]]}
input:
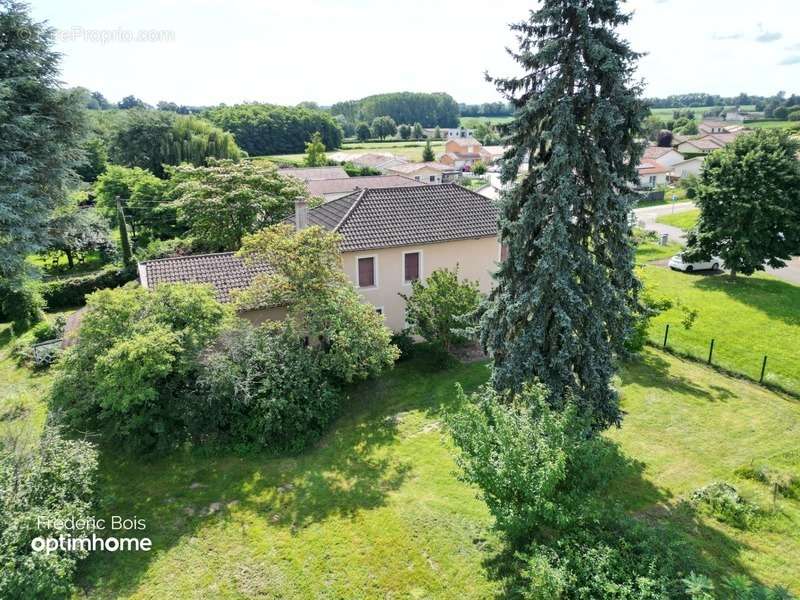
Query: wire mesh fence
{"points": [[764, 365]]}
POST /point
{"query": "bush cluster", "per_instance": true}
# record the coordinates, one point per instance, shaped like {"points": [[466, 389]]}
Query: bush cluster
{"points": [[69, 292], [264, 388], [55, 481]]}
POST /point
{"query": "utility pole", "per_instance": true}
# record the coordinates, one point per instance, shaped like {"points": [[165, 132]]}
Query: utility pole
{"points": [[127, 257]]}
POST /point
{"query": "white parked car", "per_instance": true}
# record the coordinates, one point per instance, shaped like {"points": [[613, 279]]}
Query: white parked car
{"points": [[677, 263]]}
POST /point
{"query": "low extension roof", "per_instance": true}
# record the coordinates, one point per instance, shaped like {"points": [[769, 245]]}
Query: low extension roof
{"points": [[407, 216], [464, 141], [351, 184], [224, 271], [314, 173]]}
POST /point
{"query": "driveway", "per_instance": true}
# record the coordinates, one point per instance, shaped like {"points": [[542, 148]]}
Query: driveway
{"points": [[647, 217]]}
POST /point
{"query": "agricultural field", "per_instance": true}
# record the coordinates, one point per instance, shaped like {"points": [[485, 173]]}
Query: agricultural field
{"points": [[666, 113], [773, 125], [412, 150], [472, 122], [375, 508]]}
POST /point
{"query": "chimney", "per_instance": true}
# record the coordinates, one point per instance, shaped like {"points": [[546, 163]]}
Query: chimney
{"points": [[300, 213]]}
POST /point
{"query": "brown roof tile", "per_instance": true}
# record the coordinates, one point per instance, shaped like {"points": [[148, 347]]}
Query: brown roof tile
{"points": [[224, 271], [314, 173], [407, 216], [351, 184]]}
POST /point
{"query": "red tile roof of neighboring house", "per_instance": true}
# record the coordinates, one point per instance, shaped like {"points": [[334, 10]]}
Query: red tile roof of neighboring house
{"points": [[314, 173], [414, 167], [351, 184], [648, 166], [656, 152]]}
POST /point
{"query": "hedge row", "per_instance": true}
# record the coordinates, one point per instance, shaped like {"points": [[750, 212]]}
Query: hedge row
{"points": [[72, 291]]}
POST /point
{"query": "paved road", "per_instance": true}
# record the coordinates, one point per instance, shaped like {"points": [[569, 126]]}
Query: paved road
{"points": [[648, 216]]}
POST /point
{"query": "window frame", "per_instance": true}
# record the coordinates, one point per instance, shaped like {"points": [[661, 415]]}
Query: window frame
{"points": [[403, 281], [375, 280]]}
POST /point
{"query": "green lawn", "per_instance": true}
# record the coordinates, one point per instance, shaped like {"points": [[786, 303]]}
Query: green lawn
{"points": [[748, 318], [666, 113], [684, 220], [374, 509], [772, 125]]}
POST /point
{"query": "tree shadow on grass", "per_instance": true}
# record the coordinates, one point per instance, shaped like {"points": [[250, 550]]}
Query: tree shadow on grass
{"points": [[350, 470], [655, 372], [776, 299]]}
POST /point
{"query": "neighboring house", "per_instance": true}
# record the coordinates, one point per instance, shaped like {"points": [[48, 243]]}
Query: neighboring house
{"points": [[651, 173], [331, 189], [665, 156], [373, 160], [709, 142], [691, 166], [426, 172], [734, 115], [314, 173], [390, 237], [702, 145], [462, 153], [448, 132], [494, 152], [712, 127], [224, 271]]}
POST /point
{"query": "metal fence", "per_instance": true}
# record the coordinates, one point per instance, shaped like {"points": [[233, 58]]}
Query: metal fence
{"points": [[732, 357]]}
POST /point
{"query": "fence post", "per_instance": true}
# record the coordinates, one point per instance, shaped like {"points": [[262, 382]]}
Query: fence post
{"points": [[711, 351], [763, 368], [666, 335]]}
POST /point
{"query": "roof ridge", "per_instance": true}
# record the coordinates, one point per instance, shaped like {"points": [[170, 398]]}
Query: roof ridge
{"points": [[356, 202], [184, 257]]}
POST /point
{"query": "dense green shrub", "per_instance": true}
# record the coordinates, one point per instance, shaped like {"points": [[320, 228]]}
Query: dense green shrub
{"points": [[136, 357], [69, 292], [524, 456], [723, 501], [165, 248], [405, 344], [22, 304], [55, 481], [264, 388], [437, 308]]}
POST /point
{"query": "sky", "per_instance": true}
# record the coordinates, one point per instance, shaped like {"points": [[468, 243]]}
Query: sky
{"points": [[203, 52]]}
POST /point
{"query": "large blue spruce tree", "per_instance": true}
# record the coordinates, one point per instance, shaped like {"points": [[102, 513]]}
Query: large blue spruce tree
{"points": [[564, 297]]}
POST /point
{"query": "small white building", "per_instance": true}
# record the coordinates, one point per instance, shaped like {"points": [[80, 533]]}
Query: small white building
{"points": [[651, 173], [692, 166], [665, 156]]}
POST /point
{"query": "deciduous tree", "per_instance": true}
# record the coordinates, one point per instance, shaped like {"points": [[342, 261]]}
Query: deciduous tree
{"points": [[315, 151], [749, 199], [221, 203]]}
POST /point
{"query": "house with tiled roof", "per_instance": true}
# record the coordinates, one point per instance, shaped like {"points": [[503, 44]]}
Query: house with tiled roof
{"points": [[390, 238], [314, 173], [331, 189], [426, 172], [666, 156], [225, 272], [374, 160], [651, 173], [462, 153]]}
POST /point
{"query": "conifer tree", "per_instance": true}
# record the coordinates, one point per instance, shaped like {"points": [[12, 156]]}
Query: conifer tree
{"points": [[562, 305]]}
